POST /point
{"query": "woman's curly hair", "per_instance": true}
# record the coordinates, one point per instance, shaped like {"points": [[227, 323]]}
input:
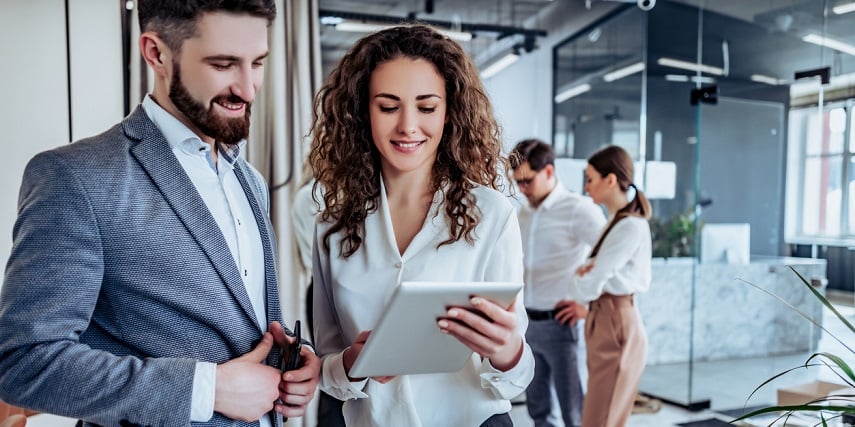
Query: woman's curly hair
{"points": [[346, 162]]}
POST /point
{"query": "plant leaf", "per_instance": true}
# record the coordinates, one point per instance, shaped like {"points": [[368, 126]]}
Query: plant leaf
{"points": [[841, 364], [778, 375], [824, 301], [796, 408]]}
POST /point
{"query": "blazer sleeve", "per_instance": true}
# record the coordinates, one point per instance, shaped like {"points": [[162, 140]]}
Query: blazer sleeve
{"points": [[52, 284]]}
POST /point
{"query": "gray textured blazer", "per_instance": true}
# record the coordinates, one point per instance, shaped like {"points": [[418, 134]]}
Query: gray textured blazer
{"points": [[120, 279]]}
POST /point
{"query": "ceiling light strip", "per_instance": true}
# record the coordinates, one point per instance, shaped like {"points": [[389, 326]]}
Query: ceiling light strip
{"points": [[830, 43], [499, 65], [690, 66], [368, 27], [571, 92], [843, 8], [624, 72]]}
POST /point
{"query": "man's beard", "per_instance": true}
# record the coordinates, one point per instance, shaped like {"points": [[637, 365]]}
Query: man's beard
{"points": [[228, 131]]}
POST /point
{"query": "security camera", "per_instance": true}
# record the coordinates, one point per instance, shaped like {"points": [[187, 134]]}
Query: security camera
{"points": [[646, 5]]}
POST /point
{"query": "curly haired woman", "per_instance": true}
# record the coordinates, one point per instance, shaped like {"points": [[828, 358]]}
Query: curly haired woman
{"points": [[408, 152]]}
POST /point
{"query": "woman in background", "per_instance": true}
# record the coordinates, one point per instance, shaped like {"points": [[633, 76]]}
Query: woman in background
{"points": [[618, 267], [408, 152]]}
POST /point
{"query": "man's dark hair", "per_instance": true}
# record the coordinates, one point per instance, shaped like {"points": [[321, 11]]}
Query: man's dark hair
{"points": [[537, 153], [175, 20]]}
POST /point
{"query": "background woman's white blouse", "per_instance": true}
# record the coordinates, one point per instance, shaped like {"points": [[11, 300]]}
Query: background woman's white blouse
{"points": [[350, 296], [622, 265]]}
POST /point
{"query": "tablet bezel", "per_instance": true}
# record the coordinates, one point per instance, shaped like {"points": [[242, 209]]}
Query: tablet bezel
{"points": [[407, 340]]}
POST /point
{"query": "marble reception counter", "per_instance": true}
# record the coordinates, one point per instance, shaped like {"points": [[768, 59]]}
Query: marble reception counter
{"points": [[731, 318]]}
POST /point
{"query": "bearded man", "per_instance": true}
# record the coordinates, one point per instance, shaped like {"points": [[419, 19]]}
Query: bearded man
{"points": [[142, 285]]}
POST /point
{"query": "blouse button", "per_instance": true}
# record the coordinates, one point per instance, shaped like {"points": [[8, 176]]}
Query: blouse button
{"points": [[399, 264]]}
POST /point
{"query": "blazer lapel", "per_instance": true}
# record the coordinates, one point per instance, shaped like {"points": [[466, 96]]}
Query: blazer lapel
{"points": [[155, 155], [251, 189]]}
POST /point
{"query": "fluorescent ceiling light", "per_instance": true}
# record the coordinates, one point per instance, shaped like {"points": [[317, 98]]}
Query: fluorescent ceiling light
{"points": [[812, 87], [499, 65], [623, 72], [690, 66], [367, 27], [830, 43], [682, 78], [844, 8], [769, 80], [571, 92], [359, 27]]}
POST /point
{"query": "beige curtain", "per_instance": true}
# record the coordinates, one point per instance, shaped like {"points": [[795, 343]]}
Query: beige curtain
{"points": [[278, 141]]}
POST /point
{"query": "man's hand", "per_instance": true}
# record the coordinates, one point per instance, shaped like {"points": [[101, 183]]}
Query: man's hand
{"points": [[297, 387], [245, 386], [570, 312], [585, 268], [489, 330]]}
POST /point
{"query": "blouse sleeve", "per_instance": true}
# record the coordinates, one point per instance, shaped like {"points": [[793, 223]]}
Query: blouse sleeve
{"points": [[505, 264], [328, 340], [615, 252]]}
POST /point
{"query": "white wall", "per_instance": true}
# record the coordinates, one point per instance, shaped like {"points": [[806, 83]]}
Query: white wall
{"points": [[34, 115], [96, 66]]}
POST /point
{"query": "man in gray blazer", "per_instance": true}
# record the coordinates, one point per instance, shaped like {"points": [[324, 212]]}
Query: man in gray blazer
{"points": [[141, 288]]}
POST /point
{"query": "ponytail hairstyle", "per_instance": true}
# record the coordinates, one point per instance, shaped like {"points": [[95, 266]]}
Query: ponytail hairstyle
{"points": [[615, 160]]}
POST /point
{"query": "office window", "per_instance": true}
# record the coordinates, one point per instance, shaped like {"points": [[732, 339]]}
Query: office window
{"points": [[821, 173]]}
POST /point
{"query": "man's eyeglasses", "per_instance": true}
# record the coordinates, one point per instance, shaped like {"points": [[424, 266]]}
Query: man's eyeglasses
{"points": [[525, 181]]}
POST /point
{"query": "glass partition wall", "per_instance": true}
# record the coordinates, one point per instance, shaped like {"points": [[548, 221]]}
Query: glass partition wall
{"points": [[745, 154]]}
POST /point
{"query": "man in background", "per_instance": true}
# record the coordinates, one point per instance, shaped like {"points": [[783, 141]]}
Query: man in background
{"points": [[558, 229], [142, 287]]}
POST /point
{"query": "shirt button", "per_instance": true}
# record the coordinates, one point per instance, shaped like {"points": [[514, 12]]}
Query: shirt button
{"points": [[399, 264], [495, 379]]}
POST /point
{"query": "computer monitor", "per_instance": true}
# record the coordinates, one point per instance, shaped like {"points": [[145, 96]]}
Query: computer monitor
{"points": [[726, 243]]}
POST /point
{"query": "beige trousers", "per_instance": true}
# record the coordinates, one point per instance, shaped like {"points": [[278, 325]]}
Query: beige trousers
{"points": [[617, 352]]}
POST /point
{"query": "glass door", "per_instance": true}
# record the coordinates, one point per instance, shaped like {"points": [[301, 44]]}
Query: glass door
{"points": [[754, 66]]}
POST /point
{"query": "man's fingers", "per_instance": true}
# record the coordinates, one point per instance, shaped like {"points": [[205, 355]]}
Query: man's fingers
{"points": [[260, 352], [279, 337], [362, 337], [564, 315], [290, 411], [307, 370]]}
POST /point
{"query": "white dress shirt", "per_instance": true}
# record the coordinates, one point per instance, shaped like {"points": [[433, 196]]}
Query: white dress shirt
{"points": [[622, 265], [557, 237], [224, 196], [303, 212], [351, 293]]}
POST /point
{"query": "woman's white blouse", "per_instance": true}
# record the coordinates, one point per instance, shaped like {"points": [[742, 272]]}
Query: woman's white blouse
{"points": [[350, 296], [622, 265]]}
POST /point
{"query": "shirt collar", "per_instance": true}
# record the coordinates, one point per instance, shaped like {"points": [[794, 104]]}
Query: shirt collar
{"points": [[180, 137], [553, 195]]}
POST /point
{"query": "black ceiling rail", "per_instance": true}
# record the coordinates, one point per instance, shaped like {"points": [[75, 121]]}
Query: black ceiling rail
{"points": [[502, 30]]}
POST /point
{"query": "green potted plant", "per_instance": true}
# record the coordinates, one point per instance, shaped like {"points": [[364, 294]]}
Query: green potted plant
{"points": [[838, 405], [673, 237]]}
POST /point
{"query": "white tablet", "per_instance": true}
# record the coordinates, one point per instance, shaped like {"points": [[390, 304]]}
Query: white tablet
{"points": [[407, 339]]}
